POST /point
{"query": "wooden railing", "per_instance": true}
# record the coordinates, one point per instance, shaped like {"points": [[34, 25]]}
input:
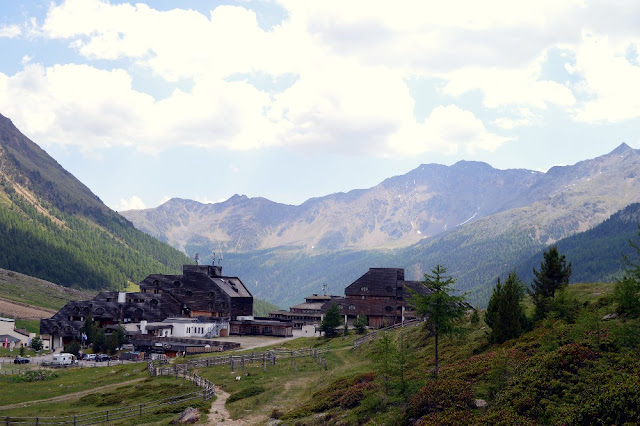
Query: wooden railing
{"points": [[268, 357], [180, 371], [374, 334], [102, 416]]}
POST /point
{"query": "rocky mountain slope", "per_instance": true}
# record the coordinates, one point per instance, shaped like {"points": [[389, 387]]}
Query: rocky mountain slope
{"points": [[396, 213], [477, 220], [53, 227]]}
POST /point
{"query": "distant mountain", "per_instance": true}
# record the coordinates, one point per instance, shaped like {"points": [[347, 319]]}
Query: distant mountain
{"points": [[396, 213], [478, 221], [54, 228]]}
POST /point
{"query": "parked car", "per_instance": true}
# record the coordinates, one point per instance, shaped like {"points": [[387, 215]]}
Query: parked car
{"points": [[102, 358], [89, 357], [21, 360]]}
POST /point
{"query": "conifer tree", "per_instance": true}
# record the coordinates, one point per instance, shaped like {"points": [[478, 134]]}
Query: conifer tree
{"points": [[332, 320], [442, 311], [554, 274], [505, 313]]}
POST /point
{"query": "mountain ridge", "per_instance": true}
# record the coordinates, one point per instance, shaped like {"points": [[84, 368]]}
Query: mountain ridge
{"points": [[54, 228]]}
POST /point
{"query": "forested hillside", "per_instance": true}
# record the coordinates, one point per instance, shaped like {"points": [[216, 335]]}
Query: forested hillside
{"points": [[596, 254], [52, 226]]}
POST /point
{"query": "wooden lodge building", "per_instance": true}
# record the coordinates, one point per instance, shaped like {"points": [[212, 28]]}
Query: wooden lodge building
{"points": [[201, 291], [309, 312], [381, 295]]}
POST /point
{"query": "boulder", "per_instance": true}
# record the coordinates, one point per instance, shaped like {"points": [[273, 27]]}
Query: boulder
{"points": [[188, 416]]}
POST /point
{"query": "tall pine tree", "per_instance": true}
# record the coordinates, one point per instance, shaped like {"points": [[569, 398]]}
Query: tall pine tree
{"points": [[554, 274]]}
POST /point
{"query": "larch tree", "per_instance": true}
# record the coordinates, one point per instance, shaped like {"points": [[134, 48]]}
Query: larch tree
{"points": [[442, 310]]}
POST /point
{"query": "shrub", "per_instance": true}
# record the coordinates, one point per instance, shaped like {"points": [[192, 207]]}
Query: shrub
{"points": [[36, 376], [246, 393], [440, 395]]}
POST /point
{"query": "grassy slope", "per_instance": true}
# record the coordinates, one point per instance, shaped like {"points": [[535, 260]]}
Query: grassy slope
{"points": [[36, 292], [549, 375]]}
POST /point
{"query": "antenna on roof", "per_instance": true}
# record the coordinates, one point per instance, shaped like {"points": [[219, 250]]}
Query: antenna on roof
{"points": [[214, 259], [220, 260], [324, 289], [196, 257]]}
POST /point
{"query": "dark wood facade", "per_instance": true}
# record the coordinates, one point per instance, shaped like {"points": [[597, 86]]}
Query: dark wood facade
{"points": [[381, 295], [309, 312], [201, 290]]}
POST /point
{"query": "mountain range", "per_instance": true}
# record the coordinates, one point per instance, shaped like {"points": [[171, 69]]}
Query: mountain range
{"points": [[478, 221]]}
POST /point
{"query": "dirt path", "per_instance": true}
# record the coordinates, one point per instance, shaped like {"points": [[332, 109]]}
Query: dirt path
{"points": [[74, 395], [24, 311], [218, 413]]}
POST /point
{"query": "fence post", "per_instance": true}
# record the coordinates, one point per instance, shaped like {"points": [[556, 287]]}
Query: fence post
{"points": [[264, 362], [74, 420], [107, 415], [232, 366], [140, 410]]}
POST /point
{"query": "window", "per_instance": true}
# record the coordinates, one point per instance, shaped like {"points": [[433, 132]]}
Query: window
{"points": [[177, 284], [154, 302], [189, 293], [364, 288], [389, 289], [156, 282], [388, 308], [352, 307]]}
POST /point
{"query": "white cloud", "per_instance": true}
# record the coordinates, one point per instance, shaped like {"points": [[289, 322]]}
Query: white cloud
{"points": [[10, 31], [351, 61], [132, 203], [448, 129], [610, 80]]}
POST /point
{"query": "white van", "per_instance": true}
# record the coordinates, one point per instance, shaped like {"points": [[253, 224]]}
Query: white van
{"points": [[64, 359]]}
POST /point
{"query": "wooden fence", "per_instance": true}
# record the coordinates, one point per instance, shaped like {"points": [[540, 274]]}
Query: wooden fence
{"points": [[374, 334], [102, 416], [179, 370], [265, 358]]}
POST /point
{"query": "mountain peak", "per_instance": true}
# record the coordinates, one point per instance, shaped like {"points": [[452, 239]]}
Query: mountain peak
{"points": [[621, 149]]}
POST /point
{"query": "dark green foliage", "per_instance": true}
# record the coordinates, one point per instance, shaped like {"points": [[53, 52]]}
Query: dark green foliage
{"points": [[72, 348], [553, 275], [627, 295], [442, 310], [332, 320], [505, 313], [62, 232], [627, 290], [360, 324], [90, 328], [246, 393], [36, 344], [438, 396], [21, 350], [564, 307], [347, 392]]}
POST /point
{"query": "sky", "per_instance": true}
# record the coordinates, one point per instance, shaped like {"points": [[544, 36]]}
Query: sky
{"points": [[290, 99]]}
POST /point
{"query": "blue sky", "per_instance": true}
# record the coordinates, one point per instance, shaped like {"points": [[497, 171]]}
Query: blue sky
{"points": [[292, 99]]}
